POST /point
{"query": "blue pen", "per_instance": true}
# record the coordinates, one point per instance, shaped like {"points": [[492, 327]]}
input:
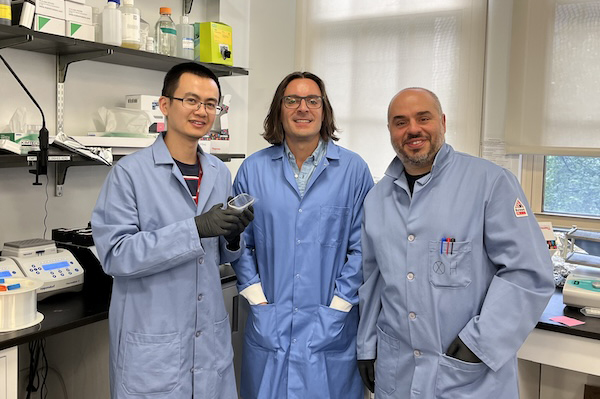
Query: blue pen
{"points": [[442, 245]]}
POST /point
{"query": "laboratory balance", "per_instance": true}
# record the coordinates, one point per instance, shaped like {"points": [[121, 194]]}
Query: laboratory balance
{"points": [[41, 260], [582, 287]]}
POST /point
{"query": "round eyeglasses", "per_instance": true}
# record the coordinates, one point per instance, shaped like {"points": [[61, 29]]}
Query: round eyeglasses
{"points": [[192, 104], [311, 101]]}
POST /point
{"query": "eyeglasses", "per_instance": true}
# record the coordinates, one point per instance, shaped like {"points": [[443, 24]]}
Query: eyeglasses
{"points": [[311, 101], [192, 104]]}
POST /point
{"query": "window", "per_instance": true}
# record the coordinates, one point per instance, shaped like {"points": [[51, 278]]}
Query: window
{"points": [[572, 185], [374, 49]]}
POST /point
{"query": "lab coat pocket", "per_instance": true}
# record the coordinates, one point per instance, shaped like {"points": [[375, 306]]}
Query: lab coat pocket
{"points": [[450, 264], [151, 363], [262, 328], [332, 225], [333, 330], [386, 365], [458, 379], [223, 349]]}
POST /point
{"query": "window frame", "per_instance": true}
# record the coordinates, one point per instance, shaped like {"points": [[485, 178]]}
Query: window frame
{"points": [[532, 181]]}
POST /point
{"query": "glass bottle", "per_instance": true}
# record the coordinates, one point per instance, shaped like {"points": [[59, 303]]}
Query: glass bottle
{"points": [[166, 33], [131, 25]]}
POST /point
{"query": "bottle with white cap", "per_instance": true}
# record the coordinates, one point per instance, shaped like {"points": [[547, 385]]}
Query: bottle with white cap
{"points": [[111, 24], [131, 25], [185, 39]]}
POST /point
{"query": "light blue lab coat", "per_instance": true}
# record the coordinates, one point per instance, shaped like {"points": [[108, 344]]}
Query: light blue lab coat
{"points": [[304, 250], [169, 331], [490, 288]]}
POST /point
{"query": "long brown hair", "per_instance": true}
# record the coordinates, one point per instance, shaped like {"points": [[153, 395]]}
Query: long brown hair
{"points": [[273, 126]]}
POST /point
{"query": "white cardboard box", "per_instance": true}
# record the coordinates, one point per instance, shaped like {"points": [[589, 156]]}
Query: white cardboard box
{"points": [[51, 8], [219, 146], [79, 13], [47, 24], [79, 31], [147, 103]]}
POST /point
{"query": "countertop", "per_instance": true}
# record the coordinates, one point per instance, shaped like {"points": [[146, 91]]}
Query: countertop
{"points": [[66, 311]]}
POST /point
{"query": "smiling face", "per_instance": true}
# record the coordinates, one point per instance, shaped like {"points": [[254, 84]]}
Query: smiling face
{"points": [[302, 123], [190, 124], [417, 127]]}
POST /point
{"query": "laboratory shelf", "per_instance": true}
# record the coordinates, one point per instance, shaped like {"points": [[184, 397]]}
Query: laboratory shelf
{"points": [[76, 50]]}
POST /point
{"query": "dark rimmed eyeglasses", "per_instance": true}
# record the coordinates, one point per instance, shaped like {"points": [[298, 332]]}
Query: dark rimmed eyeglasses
{"points": [[311, 101], [192, 104]]}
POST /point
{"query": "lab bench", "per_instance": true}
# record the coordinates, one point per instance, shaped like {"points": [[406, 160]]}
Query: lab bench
{"points": [[552, 346], [68, 311]]}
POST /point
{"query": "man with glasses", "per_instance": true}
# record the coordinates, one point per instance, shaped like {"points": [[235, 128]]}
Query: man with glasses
{"points": [[161, 232], [301, 268]]}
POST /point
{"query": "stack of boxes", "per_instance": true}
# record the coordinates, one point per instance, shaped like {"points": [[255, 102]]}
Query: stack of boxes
{"points": [[64, 18]]}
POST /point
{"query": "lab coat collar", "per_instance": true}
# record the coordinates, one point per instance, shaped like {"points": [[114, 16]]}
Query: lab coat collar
{"points": [[333, 151], [162, 156]]}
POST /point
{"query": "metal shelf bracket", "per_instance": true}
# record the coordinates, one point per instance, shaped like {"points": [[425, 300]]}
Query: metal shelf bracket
{"points": [[15, 41], [64, 60]]}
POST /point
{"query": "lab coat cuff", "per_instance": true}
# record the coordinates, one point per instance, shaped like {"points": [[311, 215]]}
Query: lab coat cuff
{"points": [[338, 303], [254, 294]]}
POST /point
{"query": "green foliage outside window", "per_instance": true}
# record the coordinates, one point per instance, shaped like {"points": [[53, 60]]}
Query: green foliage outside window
{"points": [[572, 185]]}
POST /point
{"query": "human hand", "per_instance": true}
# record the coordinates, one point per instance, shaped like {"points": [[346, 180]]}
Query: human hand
{"points": [[216, 222], [244, 219], [366, 368], [460, 351]]}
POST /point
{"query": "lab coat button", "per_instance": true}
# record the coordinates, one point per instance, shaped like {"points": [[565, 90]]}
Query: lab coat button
{"points": [[298, 242], [297, 276], [412, 315], [410, 276], [295, 310], [198, 333], [300, 210], [417, 353], [201, 260], [411, 238], [192, 370], [293, 340], [200, 297]]}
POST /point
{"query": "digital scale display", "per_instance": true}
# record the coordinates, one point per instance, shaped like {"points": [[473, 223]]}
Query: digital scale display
{"points": [[5, 273], [57, 265]]}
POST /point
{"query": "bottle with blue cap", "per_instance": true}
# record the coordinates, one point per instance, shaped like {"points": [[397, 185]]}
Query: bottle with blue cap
{"points": [[112, 23]]}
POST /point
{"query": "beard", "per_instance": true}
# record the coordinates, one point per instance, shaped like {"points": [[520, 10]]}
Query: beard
{"points": [[419, 159]]}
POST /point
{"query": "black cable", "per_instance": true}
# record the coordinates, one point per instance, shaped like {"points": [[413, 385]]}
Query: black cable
{"points": [[34, 355], [46, 209], [44, 387], [25, 88]]}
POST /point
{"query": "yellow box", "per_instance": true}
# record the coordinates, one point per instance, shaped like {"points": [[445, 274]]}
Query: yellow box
{"points": [[213, 43]]}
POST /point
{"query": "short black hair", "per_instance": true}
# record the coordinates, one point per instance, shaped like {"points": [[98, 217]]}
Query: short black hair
{"points": [[171, 81]]}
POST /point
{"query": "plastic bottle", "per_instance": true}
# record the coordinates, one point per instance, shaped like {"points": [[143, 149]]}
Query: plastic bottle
{"points": [[150, 45], [185, 39], [166, 33], [111, 24], [144, 33], [130, 25], [5, 13], [97, 23]]}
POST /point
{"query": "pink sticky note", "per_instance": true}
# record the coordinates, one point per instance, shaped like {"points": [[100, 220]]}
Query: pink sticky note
{"points": [[567, 321]]}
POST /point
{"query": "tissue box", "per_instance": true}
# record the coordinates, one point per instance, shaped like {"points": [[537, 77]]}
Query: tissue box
{"points": [[79, 31], [26, 141], [79, 13], [51, 8], [47, 24], [213, 43], [150, 104]]}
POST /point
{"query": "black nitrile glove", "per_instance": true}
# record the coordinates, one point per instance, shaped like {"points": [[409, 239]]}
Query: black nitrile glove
{"points": [[366, 368], [244, 219], [217, 222], [460, 351]]}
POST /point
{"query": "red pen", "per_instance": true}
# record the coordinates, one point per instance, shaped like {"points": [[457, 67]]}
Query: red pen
{"points": [[447, 244]]}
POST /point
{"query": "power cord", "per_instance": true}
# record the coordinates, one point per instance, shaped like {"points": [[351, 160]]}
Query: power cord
{"points": [[37, 375], [46, 209]]}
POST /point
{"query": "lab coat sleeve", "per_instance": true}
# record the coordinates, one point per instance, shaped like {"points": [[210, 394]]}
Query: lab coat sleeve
{"points": [[370, 300], [245, 267], [124, 250], [523, 283], [350, 277]]}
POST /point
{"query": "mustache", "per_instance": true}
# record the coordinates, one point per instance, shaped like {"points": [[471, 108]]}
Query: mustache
{"points": [[415, 136]]}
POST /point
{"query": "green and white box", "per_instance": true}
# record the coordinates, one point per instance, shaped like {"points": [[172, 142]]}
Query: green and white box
{"points": [[79, 13], [51, 8], [80, 31], [47, 24]]}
